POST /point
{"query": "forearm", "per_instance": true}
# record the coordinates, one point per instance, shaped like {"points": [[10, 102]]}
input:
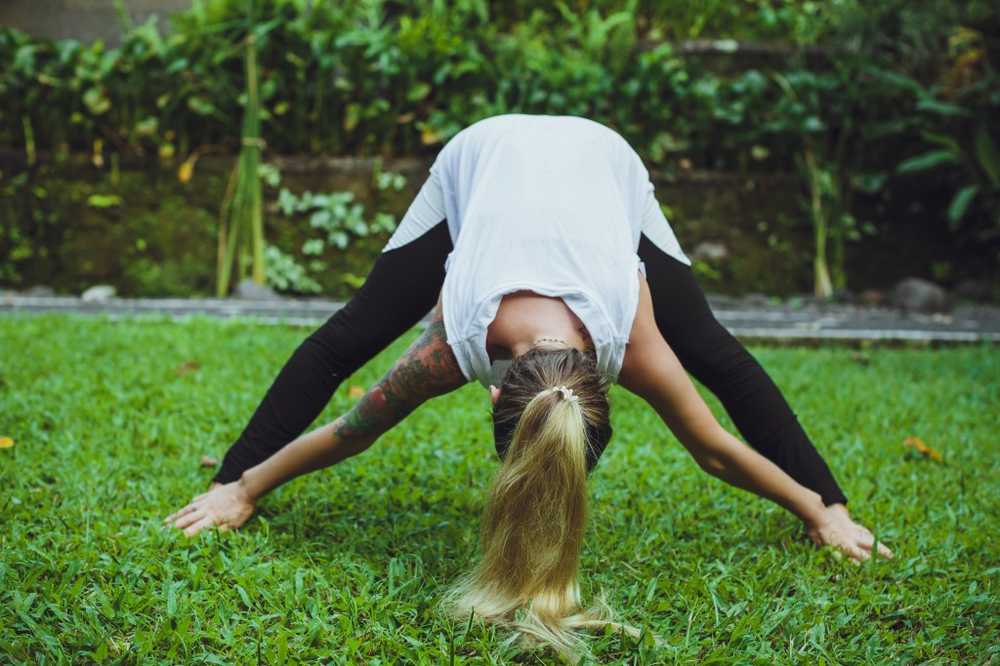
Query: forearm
{"points": [[298, 394], [734, 462], [320, 448], [719, 361], [427, 369]]}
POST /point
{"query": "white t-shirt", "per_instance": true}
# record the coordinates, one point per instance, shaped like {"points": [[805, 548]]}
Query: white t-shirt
{"points": [[549, 204]]}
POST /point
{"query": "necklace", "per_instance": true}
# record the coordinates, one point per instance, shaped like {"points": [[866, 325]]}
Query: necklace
{"points": [[560, 340]]}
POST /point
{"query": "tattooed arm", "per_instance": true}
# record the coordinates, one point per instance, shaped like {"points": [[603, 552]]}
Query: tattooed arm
{"points": [[427, 369]]}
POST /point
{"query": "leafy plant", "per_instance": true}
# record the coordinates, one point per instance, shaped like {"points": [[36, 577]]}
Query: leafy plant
{"points": [[867, 83], [242, 212], [335, 220]]}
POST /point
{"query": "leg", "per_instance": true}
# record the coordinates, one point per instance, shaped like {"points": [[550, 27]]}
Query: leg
{"points": [[402, 287], [715, 358]]}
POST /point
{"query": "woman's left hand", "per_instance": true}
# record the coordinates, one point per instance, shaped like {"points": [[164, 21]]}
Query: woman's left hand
{"points": [[836, 528]]}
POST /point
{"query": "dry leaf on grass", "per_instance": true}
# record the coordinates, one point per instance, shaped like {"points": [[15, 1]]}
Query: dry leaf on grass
{"points": [[209, 461], [6, 442], [356, 391], [187, 367], [920, 447]]}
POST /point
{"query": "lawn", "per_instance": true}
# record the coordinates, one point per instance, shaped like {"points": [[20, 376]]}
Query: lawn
{"points": [[110, 420]]}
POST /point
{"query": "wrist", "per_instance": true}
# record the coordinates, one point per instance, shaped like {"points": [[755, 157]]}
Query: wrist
{"points": [[248, 486], [812, 512], [842, 508]]}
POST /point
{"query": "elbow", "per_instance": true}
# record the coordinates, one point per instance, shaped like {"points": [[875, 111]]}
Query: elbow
{"points": [[710, 453], [713, 465]]}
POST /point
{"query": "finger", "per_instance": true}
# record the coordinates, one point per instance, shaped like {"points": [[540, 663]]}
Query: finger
{"points": [[866, 541], [869, 542], [189, 519], [205, 522], [855, 553], [177, 514]]}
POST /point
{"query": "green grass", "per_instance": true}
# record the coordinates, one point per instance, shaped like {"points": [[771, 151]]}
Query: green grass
{"points": [[346, 565]]}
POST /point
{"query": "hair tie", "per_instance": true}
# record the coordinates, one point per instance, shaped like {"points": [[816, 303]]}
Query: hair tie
{"points": [[567, 393]]}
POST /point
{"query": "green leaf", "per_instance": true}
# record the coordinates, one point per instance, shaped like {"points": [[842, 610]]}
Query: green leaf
{"points": [[418, 92], [287, 202], [147, 126], [960, 204], [927, 161], [943, 140], [104, 200], [171, 598], [987, 154], [869, 182], [943, 108], [245, 597], [201, 106], [340, 239], [321, 219], [352, 114], [96, 101]]}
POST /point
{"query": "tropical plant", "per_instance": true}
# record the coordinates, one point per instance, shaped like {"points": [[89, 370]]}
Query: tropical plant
{"points": [[241, 222]]}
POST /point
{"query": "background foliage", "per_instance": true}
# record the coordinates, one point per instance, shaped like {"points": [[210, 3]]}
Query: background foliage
{"points": [[872, 103]]}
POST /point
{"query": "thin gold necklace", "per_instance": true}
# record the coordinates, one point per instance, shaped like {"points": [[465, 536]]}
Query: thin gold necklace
{"points": [[537, 340]]}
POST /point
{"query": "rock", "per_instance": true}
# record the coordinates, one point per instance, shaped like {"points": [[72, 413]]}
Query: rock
{"points": [[710, 251], [249, 290], [973, 290], [39, 290], [918, 295], [721, 301], [755, 300], [844, 296], [98, 293], [806, 301], [872, 297]]}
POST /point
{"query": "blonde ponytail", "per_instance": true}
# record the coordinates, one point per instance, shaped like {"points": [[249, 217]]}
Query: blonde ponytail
{"points": [[533, 525]]}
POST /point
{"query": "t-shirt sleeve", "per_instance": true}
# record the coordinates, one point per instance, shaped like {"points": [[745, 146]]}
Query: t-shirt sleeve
{"points": [[645, 202], [650, 218], [426, 210]]}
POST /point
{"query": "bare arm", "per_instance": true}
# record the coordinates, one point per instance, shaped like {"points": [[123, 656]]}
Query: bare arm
{"points": [[652, 371], [427, 369]]}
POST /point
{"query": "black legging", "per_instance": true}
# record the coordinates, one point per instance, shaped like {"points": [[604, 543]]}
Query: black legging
{"points": [[404, 285]]}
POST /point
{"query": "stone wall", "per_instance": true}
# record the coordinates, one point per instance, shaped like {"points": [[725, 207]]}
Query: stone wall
{"points": [[85, 20]]}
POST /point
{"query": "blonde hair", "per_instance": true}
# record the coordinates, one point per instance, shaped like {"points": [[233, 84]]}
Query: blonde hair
{"points": [[555, 404]]}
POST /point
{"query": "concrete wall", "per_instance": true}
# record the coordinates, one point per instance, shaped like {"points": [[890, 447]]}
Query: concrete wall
{"points": [[85, 20]]}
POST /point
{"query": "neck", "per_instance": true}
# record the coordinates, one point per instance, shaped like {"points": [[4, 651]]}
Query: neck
{"points": [[525, 320]]}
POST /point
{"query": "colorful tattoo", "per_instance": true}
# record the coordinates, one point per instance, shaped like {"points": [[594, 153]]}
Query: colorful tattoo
{"points": [[427, 369]]}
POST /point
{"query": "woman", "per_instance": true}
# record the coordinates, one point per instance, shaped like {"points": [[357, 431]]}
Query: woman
{"points": [[554, 274]]}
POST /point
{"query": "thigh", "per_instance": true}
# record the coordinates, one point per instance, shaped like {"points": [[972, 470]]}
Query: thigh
{"points": [[401, 288], [680, 308]]}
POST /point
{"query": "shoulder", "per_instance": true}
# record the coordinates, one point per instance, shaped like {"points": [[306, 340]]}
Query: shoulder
{"points": [[428, 368]]}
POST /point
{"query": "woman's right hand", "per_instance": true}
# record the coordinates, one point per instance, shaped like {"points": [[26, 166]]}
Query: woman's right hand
{"points": [[226, 506]]}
